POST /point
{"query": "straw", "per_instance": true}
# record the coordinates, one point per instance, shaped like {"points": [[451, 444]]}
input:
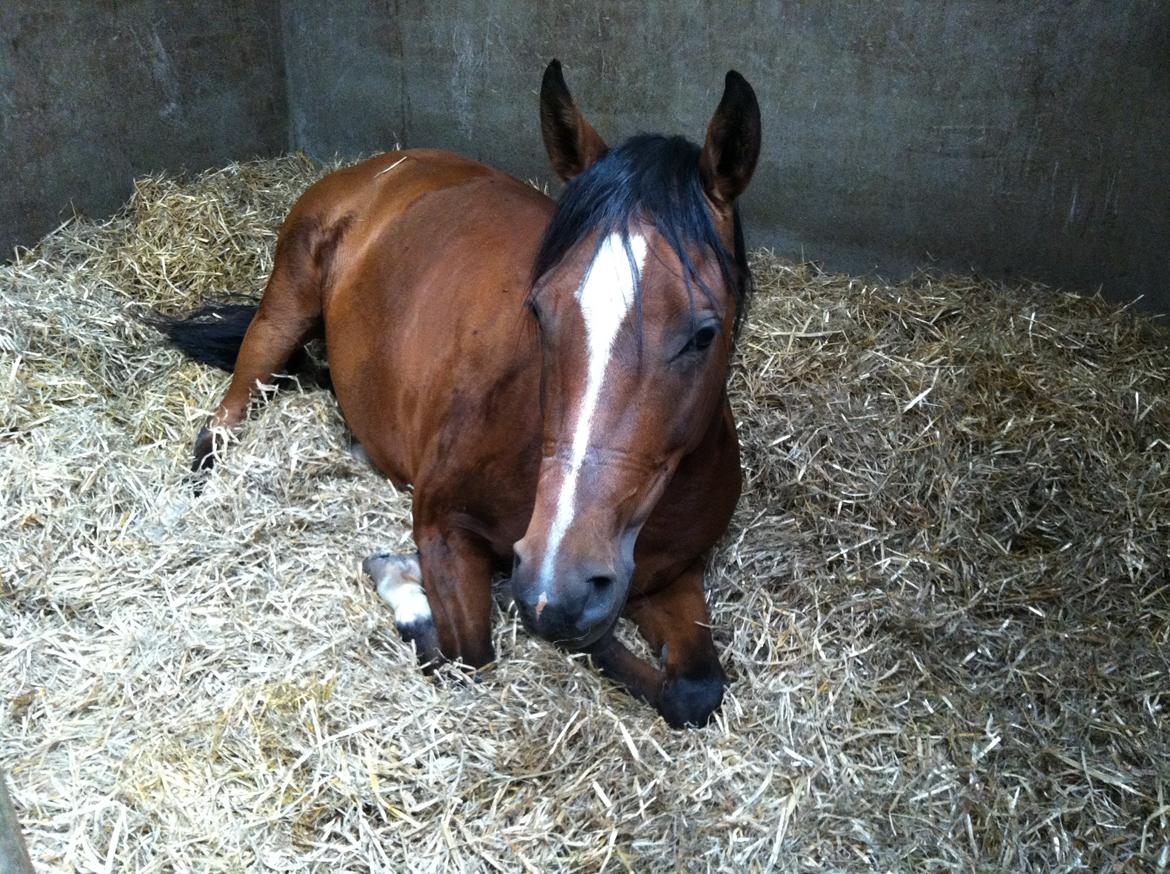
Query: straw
{"points": [[943, 601]]}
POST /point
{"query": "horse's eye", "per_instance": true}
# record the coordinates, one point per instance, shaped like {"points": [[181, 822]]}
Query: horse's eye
{"points": [[703, 338]]}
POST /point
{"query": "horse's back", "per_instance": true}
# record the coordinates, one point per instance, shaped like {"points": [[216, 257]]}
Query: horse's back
{"points": [[373, 193], [428, 347]]}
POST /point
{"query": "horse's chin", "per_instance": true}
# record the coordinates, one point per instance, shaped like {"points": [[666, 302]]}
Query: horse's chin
{"points": [[584, 643], [589, 641]]}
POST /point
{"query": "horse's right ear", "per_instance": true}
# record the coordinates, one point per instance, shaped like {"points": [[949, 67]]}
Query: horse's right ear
{"points": [[572, 143]]}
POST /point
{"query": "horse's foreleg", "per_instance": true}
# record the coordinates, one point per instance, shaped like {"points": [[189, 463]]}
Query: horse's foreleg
{"points": [[674, 621], [640, 679], [441, 596], [457, 576], [399, 582]]}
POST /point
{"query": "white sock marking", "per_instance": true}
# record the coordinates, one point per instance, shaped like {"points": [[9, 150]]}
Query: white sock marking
{"points": [[407, 600], [605, 297], [397, 578]]}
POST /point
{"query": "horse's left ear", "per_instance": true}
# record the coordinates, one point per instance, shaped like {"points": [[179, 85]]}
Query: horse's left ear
{"points": [[733, 143], [572, 143]]}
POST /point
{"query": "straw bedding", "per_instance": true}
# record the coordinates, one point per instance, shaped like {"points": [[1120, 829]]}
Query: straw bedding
{"points": [[943, 601]]}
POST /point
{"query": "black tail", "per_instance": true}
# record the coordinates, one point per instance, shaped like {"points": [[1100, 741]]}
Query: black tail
{"points": [[214, 333]]}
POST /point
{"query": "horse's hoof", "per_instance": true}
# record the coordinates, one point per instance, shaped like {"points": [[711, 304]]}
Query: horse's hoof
{"points": [[424, 637], [205, 450], [691, 701]]}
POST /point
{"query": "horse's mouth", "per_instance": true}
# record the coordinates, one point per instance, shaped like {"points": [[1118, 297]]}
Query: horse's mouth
{"points": [[586, 642], [582, 643]]}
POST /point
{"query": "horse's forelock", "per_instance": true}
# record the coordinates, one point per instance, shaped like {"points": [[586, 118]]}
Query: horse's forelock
{"points": [[652, 180]]}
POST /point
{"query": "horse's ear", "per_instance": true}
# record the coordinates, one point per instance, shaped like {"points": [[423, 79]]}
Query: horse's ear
{"points": [[733, 143], [572, 143]]}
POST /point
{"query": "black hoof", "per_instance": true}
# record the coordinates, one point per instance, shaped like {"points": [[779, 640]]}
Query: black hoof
{"points": [[691, 701], [424, 637], [206, 447]]}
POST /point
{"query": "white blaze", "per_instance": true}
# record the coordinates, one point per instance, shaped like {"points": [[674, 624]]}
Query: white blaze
{"points": [[605, 297]]}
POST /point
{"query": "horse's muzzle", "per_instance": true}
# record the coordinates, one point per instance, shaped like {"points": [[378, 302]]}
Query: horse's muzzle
{"points": [[576, 610]]}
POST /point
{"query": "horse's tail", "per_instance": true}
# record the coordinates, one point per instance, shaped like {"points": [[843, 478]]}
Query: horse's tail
{"points": [[211, 334], [214, 333]]}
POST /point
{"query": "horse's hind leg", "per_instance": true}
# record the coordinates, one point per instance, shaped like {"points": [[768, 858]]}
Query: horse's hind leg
{"points": [[675, 622], [288, 316]]}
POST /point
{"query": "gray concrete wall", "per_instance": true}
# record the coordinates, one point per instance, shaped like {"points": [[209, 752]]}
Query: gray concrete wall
{"points": [[1026, 138], [93, 94], [1022, 138]]}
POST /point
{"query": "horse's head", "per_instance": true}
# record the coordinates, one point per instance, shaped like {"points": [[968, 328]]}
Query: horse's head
{"points": [[638, 290]]}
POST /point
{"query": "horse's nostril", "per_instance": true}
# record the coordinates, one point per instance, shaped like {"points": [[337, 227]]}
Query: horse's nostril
{"points": [[600, 582]]}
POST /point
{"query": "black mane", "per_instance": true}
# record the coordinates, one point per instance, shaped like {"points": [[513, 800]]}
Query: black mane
{"points": [[654, 179]]}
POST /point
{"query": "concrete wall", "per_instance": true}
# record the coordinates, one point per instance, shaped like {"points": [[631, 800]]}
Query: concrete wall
{"points": [[93, 94], [1015, 138]]}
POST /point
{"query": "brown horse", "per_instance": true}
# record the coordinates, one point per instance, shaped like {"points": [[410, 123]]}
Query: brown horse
{"points": [[548, 377]]}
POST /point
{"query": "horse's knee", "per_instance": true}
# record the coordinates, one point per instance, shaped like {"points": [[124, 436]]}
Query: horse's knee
{"points": [[691, 699], [477, 653]]}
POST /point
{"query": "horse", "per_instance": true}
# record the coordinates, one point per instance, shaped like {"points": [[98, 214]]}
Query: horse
{"points": [[549, 378]]}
